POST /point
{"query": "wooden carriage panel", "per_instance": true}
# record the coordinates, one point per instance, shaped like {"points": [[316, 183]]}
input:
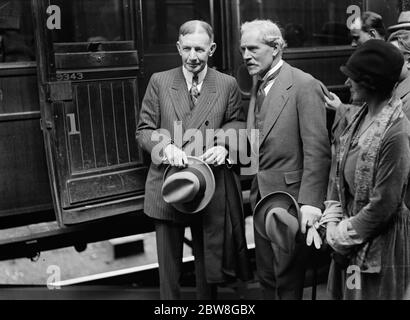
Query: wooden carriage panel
{"points": [[24, 188], [105, 185], [99, 59], [95, 138]]}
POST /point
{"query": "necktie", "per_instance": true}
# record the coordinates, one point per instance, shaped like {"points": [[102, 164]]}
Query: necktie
{"points": [[194, 92], [261, 85]]}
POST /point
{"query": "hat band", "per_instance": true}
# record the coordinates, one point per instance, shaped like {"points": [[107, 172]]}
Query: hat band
{"points": [[202, 184]]}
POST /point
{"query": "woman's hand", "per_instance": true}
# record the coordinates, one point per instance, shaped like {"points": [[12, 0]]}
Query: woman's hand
{"points": [[334, 238], [334, 102]]}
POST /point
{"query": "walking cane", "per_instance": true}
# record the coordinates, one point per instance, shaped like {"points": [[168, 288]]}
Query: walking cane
{"points": [[314, 276]]}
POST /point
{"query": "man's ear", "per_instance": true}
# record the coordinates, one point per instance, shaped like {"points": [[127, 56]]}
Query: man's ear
{"points": [[179, 47], [213, 48], [373, 33], [275, 48]]}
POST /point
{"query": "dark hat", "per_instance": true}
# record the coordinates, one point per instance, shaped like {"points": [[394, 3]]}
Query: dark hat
{"points": [[402, 23], [189, 189], [277, 219], [376, 64]]}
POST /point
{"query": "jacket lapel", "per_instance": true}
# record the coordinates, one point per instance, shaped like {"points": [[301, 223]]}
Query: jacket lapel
{"points": [[276, 100], [179, 96], [205, 101], [403, 88]]}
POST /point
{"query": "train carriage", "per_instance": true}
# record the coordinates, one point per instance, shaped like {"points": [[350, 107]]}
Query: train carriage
{"points": [[72, 77]]}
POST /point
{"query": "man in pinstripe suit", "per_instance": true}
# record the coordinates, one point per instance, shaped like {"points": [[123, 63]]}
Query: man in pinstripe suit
{"points": [[189, 97]]}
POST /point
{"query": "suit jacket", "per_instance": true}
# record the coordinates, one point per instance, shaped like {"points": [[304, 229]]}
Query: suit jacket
{"points": [[402, 91], [167, 102], [294, 149]]}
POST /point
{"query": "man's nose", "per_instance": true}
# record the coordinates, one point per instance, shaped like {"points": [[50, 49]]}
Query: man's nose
{"points": [[246, 54], [192, 54]]}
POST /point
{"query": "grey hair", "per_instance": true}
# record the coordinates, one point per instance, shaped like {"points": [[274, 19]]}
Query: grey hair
{"points": [[270, 32], [193, 26]]}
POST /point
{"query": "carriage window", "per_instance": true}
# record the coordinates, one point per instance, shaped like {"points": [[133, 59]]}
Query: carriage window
{"points": [[162, 19], [16, 31], [389, 9], [305, 23], [93, 21]]}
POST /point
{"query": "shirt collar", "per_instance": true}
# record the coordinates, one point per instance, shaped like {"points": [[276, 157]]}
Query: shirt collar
{"points": [[189, 75], [273, 70]]}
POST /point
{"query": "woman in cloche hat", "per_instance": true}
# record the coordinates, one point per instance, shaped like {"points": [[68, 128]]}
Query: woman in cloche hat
{"points": [[372, 238]]}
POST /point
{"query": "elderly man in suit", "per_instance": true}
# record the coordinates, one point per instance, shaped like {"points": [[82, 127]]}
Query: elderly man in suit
{"points": [[288, 109], [191, 98]]}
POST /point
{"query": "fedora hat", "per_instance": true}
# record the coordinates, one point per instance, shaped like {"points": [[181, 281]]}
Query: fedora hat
{"points": [[189, 189], [402, 23], [277, 219]]}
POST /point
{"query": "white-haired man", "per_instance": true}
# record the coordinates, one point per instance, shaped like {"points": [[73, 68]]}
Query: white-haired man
{"points": [[288, 109]]}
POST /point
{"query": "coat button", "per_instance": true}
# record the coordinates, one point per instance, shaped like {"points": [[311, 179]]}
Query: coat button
{"points": [[207, 123]]}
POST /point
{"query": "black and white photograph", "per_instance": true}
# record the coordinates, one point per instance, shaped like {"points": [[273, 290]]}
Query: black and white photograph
{"points": [[219, 153]]}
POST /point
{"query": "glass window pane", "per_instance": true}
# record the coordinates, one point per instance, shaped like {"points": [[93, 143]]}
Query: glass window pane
{"points": [[162, 19], [92, 20], [388, 9], [16, 31], [304, 23]]}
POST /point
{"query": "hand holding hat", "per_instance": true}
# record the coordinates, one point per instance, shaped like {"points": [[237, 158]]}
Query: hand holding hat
{"points": [[215, 155], [277, 219], [175, 156]]}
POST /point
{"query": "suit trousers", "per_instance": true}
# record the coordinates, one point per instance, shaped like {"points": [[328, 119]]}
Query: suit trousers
{"points": [[170, 238]]}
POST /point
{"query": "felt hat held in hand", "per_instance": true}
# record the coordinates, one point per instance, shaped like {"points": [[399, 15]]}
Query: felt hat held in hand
{"points": [[189, 189], [277, 219]]}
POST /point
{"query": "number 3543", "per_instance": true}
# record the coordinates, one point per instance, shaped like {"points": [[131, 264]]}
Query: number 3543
{"points": [[70, 76]]}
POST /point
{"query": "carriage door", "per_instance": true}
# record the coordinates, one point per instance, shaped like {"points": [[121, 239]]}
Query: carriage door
{"points": [[88, 68]]}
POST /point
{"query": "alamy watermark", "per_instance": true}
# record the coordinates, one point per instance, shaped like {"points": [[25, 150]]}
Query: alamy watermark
{"points": [[353, 278], [54, 19], [192, 141], [354, 12], [54, 277]]}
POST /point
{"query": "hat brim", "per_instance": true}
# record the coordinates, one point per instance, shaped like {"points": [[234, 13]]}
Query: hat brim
{"points": [[279, 199], [206, 171], [349, 73], [400, 26]]}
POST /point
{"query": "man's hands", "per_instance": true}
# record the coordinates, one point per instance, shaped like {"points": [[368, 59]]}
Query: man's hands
{"points": [[175, 156], [310, 215], [215, 155], [178, 158]]}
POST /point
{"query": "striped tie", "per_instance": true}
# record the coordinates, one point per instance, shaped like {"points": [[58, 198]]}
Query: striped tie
{"points": [[261, 85], [194, 92]]}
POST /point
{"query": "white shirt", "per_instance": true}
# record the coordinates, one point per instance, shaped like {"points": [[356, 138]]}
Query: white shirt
{"points": [[189, 75], [271, 71]]}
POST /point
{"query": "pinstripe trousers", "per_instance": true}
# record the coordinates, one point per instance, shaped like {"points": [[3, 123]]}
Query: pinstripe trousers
{"points": [[170, 238]]}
